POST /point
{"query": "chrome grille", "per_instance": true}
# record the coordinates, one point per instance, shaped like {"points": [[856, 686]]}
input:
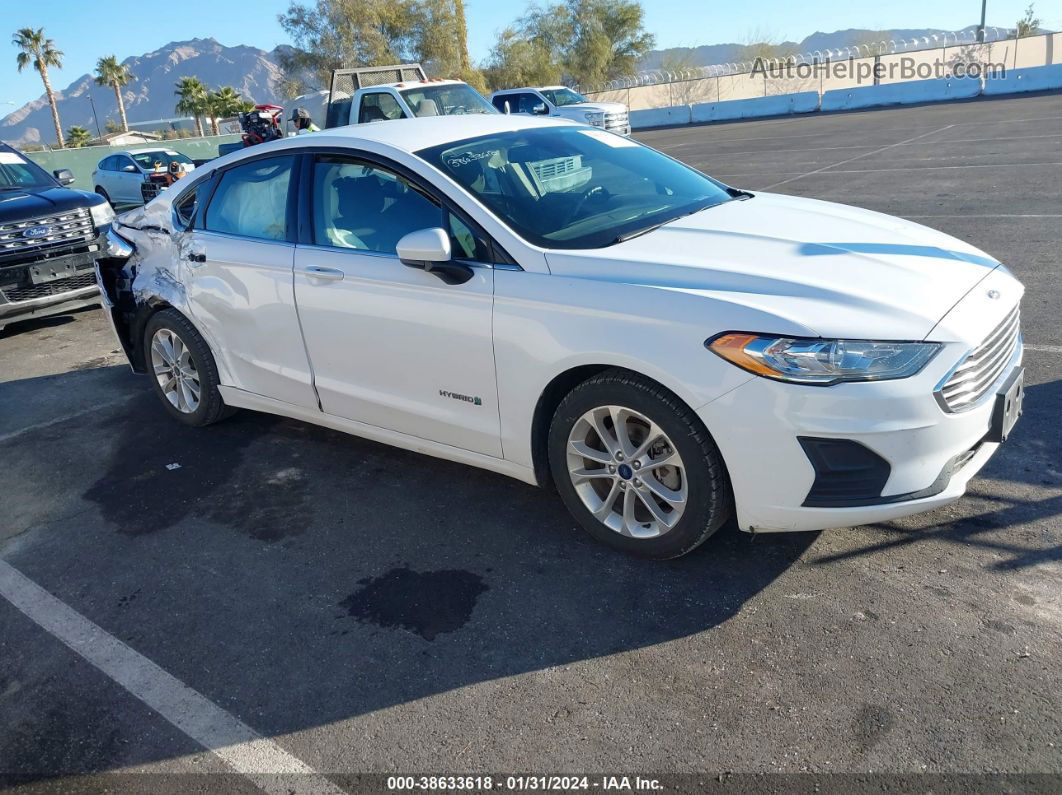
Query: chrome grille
{"points": [[616, 121], [62, 229], [978, 372], [57, 287]]}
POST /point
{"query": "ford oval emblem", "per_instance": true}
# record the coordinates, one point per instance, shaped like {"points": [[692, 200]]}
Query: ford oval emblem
{"points": [[993, 294], [37, 231]]}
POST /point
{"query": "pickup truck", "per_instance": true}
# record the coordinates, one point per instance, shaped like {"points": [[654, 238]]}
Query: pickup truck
{"points": [[378, 93], [50, 239], [563, 102]]}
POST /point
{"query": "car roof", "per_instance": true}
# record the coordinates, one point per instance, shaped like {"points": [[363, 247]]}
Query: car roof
{"points": [[528, 88], [411, 135]]}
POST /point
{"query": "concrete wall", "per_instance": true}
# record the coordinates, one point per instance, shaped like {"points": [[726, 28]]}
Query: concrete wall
{"points": [[922, 66], [1036, 78], [804, 102], [82, 162], [900, 93]]}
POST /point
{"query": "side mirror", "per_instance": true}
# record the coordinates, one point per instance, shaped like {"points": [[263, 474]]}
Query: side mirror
{"points": [[64, 176], [129, 169], [540, 109], [429, 250], [508, 110]]}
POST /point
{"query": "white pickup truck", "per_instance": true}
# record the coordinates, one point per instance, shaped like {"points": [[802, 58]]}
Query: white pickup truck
{"points": [[565, 103], [378, 93]]}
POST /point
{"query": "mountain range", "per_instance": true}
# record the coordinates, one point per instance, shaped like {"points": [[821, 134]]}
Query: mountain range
{"points": [[711, 54], [254, 73]]}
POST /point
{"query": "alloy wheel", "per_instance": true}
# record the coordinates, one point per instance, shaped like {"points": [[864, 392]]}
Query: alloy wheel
{"points": [[627, 472], [175, 371]]}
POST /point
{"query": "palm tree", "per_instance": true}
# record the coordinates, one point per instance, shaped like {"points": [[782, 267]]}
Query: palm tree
{"points": [[192, 99], [223, 103], [111, 73], [78, 136], [41, 53]]}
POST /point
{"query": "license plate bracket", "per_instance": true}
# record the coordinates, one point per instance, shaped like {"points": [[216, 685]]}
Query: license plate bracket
{"points": [[44, 272], [1008, 407]]}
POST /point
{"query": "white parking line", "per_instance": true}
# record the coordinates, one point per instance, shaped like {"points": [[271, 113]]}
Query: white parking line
{"points": [[1044, 348], [857, 157], [258, 759]]}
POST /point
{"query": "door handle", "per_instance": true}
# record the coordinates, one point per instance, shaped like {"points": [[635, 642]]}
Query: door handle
{"points": [[198, 258], [324, 274]]}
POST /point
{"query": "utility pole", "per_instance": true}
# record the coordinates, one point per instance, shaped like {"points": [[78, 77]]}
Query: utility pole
{"points": [[981, 29], [95, 118]]}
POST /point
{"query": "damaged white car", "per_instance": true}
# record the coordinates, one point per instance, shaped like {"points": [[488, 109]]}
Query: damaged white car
{"points": [[566, 306]]}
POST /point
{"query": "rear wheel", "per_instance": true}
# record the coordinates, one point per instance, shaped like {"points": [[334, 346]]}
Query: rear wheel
{"points": [[182, 369], [637, 467]]}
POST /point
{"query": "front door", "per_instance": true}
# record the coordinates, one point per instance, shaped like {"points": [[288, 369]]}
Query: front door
{"points": [[390, 345], [237, 264]]}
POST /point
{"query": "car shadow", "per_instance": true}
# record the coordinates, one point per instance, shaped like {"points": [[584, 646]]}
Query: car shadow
{"points": [[303, 577]]}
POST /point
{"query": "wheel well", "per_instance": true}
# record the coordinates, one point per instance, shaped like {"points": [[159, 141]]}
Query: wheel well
{"points": [[551, 396], [135, 331]]}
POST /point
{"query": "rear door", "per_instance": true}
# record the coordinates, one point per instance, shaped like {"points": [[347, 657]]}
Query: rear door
{"points": [[390, 345]]}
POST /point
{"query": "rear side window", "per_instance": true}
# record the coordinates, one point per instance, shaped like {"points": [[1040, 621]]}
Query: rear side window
{"points": [[379, 106], [252, 200]]}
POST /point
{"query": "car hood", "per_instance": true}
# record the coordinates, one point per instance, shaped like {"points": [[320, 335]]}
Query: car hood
{"points": [[21, 205], [821, 269], [607, 107]]}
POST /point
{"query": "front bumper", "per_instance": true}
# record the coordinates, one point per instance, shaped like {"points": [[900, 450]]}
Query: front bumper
{"points": [[20, 299], [903, 451]]}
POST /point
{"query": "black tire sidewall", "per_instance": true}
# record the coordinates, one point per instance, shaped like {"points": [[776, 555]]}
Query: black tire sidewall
{"points": [[706, 507]]}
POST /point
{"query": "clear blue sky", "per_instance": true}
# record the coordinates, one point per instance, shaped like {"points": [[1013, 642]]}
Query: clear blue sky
{"points": [[86, 30]]}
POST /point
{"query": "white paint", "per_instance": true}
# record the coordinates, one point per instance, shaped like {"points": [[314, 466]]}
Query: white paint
{"points": [[260, 760], [1044, 348], [457, 370]]}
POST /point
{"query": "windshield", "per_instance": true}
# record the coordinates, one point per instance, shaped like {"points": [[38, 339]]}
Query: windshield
{"points": [[446, 100], [18, 172], [147, 160], [562, 96], [575, 187]]}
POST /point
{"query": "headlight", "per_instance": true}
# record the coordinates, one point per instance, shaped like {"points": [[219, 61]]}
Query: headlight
{"points": [[596, 118], [822, 362], [102, 214]]}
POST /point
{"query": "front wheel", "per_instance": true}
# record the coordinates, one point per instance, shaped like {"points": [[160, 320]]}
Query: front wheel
{"points": [[182, 369], [637, 467]]}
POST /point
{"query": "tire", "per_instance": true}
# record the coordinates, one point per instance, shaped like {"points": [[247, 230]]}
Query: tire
{"points": [[103, 193], [197, 367], [695, 482]]}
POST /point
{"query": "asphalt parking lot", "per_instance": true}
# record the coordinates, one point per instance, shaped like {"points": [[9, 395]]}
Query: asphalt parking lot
{"points": [[366, 609]]}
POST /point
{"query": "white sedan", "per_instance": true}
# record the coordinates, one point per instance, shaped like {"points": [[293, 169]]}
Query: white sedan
{"points": [[567, 306]]}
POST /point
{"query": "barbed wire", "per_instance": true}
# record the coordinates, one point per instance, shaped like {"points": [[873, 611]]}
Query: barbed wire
{"points": [[960, 38]]}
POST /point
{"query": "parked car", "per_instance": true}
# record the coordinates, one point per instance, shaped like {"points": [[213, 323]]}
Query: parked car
{"points": [[50, 237], [664, 349], [137, 176], [565, 103]]}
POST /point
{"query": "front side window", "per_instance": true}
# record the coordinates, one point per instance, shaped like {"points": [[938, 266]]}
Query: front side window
{"points": [[152, 160], [379, 106], [575, 187], [361, 206], [453, 99], [563, 96], [252, 200]]}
